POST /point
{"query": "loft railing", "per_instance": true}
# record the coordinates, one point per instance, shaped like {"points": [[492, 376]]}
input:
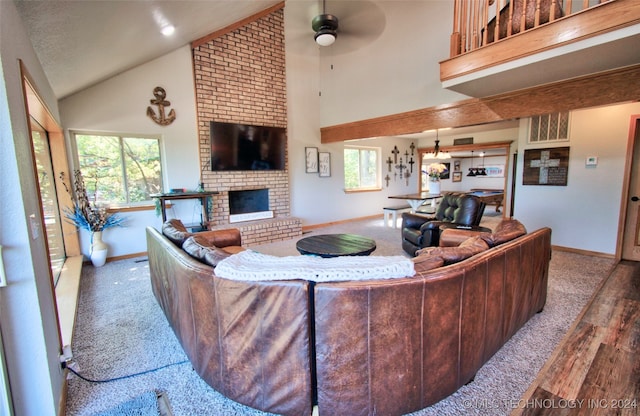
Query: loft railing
{"points": [[477, 23]]}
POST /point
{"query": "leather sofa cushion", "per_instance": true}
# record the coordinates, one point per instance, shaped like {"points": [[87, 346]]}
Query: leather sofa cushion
{"points": [[175, 231], [232, 249], [453, 237], [427, 262], [201, 249], [451, 255], [221, 238], [507, 230]]}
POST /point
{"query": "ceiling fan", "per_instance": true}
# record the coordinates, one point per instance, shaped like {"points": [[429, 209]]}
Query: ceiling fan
{"points": [[361, 22], [326, 27]]}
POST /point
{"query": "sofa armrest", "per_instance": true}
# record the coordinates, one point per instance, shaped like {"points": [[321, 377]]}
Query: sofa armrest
{"points": [[433, 225], [410, 220], [222, 238]]}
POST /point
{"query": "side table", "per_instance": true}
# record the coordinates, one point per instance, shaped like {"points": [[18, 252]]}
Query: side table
{"points": [[202, 196]]}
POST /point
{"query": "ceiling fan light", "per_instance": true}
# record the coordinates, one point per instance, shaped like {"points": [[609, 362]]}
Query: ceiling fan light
{"points": [[326, 27], [325, 37]]}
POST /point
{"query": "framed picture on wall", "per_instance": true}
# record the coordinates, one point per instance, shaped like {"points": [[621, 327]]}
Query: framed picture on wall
{"points": [[324, 164], [494, 171], [456, 177], [456, 166], [446, 174], [311, 159], [548, 166]]}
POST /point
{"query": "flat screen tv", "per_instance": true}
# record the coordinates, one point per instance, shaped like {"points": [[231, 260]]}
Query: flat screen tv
{"points": [[247, 147]]}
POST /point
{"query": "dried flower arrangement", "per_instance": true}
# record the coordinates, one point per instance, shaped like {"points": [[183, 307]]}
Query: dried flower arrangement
{"points": [[90, 216]]}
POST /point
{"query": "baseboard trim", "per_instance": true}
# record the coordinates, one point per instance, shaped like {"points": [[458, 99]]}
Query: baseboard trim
{"points": [[124, 257], [585, 252]]}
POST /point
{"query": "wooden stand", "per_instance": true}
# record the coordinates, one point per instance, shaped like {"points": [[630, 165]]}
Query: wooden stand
{"points": [[202, 196]]}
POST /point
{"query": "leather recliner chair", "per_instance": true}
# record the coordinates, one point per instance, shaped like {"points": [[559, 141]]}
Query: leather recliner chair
{"points": [[420, 231]]}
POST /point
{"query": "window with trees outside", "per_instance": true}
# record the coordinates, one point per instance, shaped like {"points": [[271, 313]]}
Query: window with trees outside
{"points": [[119, 169], [362, 168]]}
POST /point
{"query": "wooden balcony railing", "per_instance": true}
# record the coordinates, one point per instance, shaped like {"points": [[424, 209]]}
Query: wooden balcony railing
{"points": [[477, 23]]}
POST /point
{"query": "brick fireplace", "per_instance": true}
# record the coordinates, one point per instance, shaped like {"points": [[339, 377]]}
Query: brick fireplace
{"points": [[240, 78]]}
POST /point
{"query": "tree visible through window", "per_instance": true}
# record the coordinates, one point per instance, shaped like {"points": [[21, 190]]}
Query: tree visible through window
{"points": [[119, 169], [361, 168]]}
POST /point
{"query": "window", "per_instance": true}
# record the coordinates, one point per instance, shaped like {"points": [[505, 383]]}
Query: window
{"points": [[361, 168], [549, 128], [119, 169]]}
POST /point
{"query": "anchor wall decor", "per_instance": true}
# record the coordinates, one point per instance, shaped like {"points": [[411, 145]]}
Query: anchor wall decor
{"points": [[162, 119]]}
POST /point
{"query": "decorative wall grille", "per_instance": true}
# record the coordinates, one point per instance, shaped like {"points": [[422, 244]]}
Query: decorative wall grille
{"points": [[549, 128]]}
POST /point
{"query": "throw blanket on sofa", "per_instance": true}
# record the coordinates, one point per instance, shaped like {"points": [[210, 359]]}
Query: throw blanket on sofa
{"points": [[253, 266]]}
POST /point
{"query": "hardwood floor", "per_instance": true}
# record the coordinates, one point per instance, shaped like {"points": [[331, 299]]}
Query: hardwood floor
{"points": [[596, 368]]}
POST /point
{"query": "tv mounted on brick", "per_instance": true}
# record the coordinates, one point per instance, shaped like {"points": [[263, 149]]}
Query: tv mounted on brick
{"points": [[247, 147]]}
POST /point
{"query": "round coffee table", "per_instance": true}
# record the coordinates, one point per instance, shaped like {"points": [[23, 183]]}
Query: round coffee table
{"points": [[334, 245]]}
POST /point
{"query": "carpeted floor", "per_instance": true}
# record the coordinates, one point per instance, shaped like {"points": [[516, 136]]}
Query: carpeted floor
{"points": [[121, 330]]}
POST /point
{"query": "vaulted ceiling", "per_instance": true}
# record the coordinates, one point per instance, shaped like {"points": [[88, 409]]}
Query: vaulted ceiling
{"points": [[80, 43]]}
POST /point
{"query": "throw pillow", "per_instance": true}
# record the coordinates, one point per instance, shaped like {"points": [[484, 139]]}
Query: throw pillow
{"points": [[507, 230], [175, 231], [200, 249], [451, 255]]}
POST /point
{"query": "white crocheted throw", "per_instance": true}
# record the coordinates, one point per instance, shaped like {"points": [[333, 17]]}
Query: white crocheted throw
{"points": [[250, 265]]}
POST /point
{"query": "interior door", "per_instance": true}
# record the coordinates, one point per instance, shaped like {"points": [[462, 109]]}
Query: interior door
{"points": [[631, 239]]}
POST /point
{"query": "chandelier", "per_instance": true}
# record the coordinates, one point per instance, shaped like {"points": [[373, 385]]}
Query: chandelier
{"points": [[436, 153]]}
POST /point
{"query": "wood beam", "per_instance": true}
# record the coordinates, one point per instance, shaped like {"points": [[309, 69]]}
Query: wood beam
{"points": [[606, 88]]}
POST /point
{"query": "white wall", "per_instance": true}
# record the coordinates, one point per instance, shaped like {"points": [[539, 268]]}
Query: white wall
{"points": [[584, 214], [398, 71], [29, 329], [119, 105], [314, 199]]}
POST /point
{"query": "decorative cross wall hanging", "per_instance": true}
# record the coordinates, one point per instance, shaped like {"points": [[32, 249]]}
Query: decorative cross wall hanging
{"points": [[548, 166], [162, 119], [395, 152], [401, 167]]}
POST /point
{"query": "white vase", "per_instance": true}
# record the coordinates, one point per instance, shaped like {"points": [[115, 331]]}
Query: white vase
{"points": [[98, 249], [434, 186]]}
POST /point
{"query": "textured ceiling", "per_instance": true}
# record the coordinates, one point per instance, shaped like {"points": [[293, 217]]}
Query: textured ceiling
{"points": [[80, 43]]}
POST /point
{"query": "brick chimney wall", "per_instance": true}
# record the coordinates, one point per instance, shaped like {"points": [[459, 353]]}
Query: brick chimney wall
{"points": [[240, 78]]}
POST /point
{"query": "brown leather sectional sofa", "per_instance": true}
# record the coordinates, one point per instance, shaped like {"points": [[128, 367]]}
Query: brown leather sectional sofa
{"points": [[383, 347]]}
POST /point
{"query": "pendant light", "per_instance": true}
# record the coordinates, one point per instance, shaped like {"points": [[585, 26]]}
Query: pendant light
{"points": [[481, 171], [436, 153], [472, 170]]}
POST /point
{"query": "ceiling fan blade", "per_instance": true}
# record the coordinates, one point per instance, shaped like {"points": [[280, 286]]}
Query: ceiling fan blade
{"points": [[360, 23]]}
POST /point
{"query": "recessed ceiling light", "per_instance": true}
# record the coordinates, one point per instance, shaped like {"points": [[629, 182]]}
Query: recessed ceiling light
{"points": [[168, 30]]}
